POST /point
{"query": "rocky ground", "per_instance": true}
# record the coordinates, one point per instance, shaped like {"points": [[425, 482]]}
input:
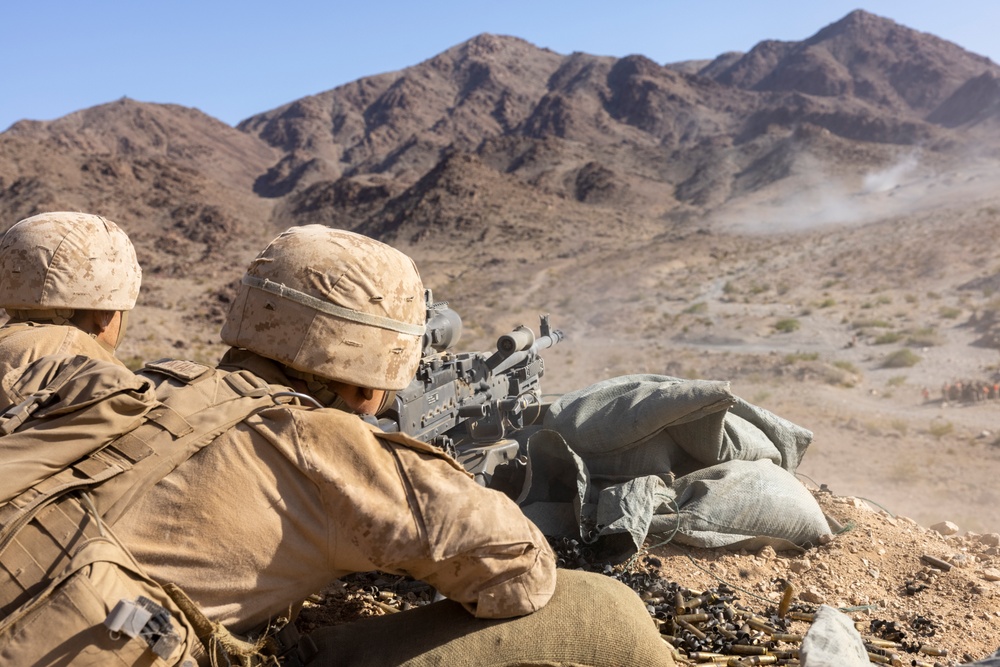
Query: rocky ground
{"points": [[933, 595]]}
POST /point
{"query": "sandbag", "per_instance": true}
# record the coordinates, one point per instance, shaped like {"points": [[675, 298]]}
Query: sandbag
{"points": [[620, 632], [737, 503], [743, 503], [637, 425], [833, 641]]}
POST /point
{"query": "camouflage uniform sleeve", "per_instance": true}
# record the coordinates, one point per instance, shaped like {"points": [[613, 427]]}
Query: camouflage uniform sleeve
{"points": [[402, 509], [484, 553]]}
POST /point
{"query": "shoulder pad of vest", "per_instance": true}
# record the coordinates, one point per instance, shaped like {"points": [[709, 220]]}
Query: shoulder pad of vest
{"points": [[180, 369]]}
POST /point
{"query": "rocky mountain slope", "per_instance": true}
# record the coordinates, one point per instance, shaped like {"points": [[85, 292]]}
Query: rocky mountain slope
{"points": [[811, 220]]}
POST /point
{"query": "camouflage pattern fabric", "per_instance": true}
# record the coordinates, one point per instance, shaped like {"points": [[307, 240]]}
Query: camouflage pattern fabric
{"points": [[333, 303], [68, 260]]}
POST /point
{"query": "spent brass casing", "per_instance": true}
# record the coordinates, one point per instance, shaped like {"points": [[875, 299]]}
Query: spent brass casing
{"points": [[882, 643], [752, 660], [389, 609], [801, 616], [758, 623], [704, 656], [747, 649], [692, 618], [690, 628], [930, 650], [942, 565], [786, 600], [880, 659], [786, 637], [790, 654]]}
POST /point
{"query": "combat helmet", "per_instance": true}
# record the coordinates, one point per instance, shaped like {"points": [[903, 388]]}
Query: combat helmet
{"points": [[332, 303], [67, 261]]}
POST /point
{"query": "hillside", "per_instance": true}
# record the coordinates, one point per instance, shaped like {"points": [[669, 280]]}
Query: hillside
{"points": [[811, 220]]}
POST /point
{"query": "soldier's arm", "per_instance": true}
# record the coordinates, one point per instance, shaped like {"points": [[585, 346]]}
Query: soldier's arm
{"points": [[407, 510]]}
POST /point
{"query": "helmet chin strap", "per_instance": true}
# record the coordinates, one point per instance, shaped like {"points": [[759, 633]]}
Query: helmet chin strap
{"points": [[122, 325], [388, 397], [319, 388]]}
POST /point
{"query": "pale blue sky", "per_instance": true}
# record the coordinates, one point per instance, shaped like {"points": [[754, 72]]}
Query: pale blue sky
{"points": [[235, 59]]}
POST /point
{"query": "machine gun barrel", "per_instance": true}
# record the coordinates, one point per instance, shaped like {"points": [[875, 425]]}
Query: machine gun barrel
{"points": [[469, 399]]}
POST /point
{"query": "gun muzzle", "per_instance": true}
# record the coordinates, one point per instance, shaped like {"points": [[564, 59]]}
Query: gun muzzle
{"points": [[517, 340]]}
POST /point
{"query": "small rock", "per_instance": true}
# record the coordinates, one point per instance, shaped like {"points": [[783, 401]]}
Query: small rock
{"points": [[945, 528], [800, 565], [990, 539], [960, 560], [812, 595], [767, 553], [991, 574]]}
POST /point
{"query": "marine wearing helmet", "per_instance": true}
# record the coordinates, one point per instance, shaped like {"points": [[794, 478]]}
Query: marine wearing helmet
{"points": [[343, 312], [67, 281], [291, 495]]}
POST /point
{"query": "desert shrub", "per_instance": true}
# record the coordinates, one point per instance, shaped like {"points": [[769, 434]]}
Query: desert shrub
{"points": [[923, 338], [695, 308], [940, 428], [787, 325], [801, 356], [949, 312], [901, 359], [826, 303], [896, 381], [870, 324], [888, 337], [846, 366]]}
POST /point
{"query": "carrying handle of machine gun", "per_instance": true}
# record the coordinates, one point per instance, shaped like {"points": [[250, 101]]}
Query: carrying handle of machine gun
{"points": [[520, 345]]}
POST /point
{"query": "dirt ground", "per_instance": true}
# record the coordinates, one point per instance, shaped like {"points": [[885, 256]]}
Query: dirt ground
{"points": [[935, 596], [805, 323]]}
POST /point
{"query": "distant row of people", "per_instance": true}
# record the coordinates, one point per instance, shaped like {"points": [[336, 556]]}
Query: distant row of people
{"points": [[970, 391]]}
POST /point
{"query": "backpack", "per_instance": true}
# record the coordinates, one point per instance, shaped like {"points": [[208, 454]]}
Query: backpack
{"points": [[84, 438]]}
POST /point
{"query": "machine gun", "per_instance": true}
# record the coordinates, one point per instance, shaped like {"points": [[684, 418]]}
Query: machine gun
{"points": [[469, 403]]}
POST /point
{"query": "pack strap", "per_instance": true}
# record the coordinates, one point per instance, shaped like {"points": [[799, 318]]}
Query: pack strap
{"points": [[15, 416], [93, 550], [194, 415]]}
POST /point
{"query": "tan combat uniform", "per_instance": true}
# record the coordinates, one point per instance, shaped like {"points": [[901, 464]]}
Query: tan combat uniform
{"points": [[23, 342], [292, 498]]}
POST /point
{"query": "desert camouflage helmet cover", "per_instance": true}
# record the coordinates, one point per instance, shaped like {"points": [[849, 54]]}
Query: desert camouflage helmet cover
{"points": [[68, 260], [333, 303]]}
